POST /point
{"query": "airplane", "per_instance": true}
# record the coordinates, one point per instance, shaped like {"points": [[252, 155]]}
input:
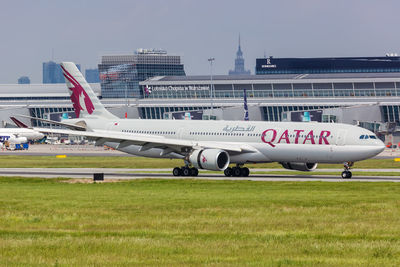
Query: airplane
{"points": [[214, 145], [19, 135]]}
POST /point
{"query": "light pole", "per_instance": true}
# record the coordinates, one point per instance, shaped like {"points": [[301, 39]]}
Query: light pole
{"points": [[211, 60]]}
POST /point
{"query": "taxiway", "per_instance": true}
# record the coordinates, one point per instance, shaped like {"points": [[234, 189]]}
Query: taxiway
{"points": [[126, 174]]}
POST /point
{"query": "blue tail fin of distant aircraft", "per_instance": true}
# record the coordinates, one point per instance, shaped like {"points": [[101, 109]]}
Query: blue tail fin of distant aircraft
{"points": [[246, 108]]}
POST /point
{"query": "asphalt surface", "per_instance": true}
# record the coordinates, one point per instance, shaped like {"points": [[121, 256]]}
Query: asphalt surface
{"points": [[89, 150], [126, 174]]}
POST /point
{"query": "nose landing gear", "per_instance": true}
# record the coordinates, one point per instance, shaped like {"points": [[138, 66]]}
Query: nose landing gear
{"points": [[346, 174]]}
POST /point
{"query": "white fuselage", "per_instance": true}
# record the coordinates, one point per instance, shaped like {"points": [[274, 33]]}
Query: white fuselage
{"points": [[17, 135], [271, 141]]}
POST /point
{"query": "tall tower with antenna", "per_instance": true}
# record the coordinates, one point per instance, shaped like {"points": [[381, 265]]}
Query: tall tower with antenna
{"points": [[239, 63]]}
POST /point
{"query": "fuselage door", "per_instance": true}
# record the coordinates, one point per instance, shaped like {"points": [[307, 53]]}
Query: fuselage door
{"points": [[341, 137]]}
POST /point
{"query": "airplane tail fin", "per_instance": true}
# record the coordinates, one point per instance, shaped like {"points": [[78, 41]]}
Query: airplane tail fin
{"points": [[245, 107], [85, 102], [19, 123]]}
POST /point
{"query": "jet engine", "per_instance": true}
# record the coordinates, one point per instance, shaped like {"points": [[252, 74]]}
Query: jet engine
{"points": [[210, 159], [299, 166]]}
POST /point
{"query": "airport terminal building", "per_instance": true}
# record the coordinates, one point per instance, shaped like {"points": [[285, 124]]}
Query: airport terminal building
{"points": [[270, 97], [273, 95]]}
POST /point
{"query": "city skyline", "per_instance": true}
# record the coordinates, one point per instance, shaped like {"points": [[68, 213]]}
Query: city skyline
{"points": [[34, 32]]}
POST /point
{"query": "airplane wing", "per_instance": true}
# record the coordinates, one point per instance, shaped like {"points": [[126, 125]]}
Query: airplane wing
{"points": [[151, 141]]}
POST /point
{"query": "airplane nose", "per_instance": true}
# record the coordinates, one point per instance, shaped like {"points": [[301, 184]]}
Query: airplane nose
{"points": [[380, 146], [40, 136]]}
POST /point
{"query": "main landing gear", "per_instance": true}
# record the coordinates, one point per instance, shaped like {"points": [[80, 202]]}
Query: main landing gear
{"points": [[185, 171], [237, 171], [346, 174]]}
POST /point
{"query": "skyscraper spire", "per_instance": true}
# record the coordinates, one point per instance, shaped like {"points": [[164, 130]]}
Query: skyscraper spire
{"points": [[239, 62]]}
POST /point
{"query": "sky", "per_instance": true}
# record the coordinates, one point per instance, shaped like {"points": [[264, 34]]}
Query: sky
{"points": [[33, 32]]}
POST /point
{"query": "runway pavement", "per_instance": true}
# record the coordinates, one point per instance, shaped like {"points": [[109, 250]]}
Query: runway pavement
{"points": [[90, 150], [126, 174]]}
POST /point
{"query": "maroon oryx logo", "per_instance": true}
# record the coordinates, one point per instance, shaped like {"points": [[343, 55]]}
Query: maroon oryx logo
{"points": [[78, 95]]}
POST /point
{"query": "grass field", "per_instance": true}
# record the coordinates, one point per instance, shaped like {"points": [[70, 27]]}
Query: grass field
{"points": [[140, 162], [50, 222]]}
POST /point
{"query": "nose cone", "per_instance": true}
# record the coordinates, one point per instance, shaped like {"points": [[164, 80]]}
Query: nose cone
{"points": [[379, 146]]}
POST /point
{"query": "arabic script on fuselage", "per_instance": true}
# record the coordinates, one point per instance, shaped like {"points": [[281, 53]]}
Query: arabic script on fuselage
{"points": [[237, 128]]}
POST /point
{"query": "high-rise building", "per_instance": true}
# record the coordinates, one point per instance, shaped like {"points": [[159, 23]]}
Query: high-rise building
{"points": [[120, 74], [24, 80], [239, 63], [52, 72], [92, 75]]}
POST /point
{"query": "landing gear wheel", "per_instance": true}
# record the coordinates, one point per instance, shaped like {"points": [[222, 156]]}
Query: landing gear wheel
{"points": [[177, 171], [346, 174], [228, 172], [236, 172], [245, 172], [194, 171], [186, 171]]}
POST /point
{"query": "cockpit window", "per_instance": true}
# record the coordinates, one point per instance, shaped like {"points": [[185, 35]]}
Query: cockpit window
{"points": [[364, 136]]}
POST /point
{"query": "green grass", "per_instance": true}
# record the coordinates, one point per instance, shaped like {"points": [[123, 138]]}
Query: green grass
{"points": [[140, 162], [289, 172], [47, 222]]}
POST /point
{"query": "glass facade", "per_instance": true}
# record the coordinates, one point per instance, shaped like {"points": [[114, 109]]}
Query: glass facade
{"points": [[92, 75], [120, 75], [158, 112], [41, 112], [390, 113], [274, 90], [327, 65], [275, 113]]}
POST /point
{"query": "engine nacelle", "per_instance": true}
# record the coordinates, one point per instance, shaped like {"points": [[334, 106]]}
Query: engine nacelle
{"points": [[210, 159], [299, 166]]}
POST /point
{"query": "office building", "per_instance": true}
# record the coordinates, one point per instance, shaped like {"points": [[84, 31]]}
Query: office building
{"points": [[24, 80], [52, 72], [120, 74], [92, 75]]}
